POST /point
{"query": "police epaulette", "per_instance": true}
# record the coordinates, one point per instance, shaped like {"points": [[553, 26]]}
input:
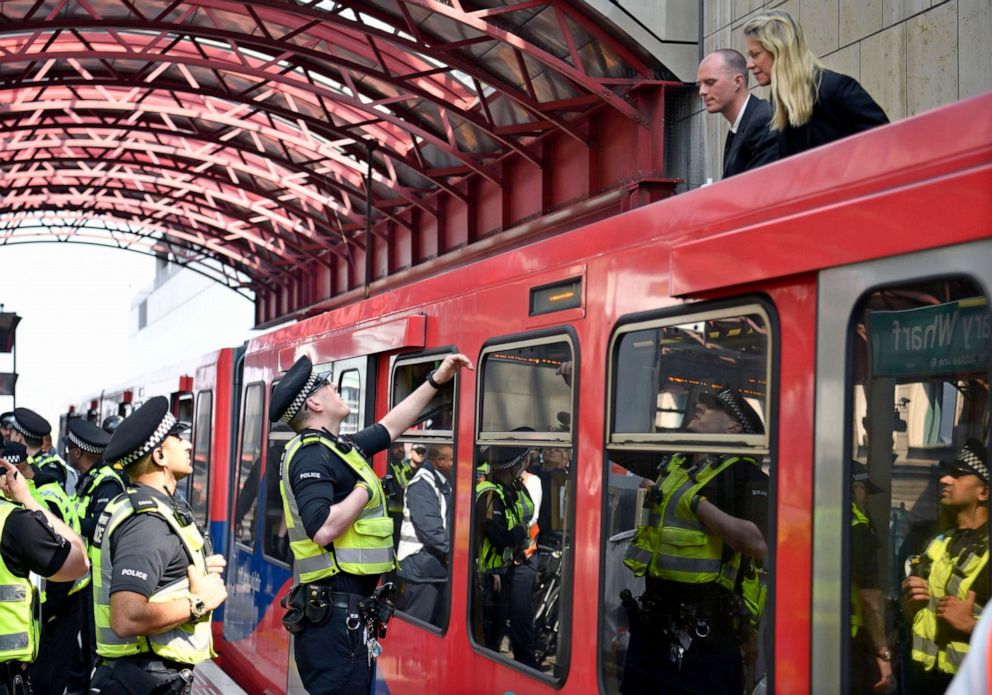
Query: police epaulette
{"points": [[141, 500]]}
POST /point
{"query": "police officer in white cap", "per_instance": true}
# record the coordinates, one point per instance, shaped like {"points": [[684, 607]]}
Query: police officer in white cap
{"points": [[339, 528], [155, 582]]}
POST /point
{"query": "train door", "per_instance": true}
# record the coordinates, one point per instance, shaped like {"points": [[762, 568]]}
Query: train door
{"points": [[901, 476]]}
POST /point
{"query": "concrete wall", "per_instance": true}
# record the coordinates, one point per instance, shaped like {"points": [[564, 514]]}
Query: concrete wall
{"points": [[911, 56]]}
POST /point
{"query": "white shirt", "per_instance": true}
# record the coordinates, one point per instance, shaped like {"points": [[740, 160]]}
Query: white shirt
{"points": [[740, 115]]}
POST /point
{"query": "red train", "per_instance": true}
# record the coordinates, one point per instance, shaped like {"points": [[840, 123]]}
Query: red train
{"points": [[844, 292]]}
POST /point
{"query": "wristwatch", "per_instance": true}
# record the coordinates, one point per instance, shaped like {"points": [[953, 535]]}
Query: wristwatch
{"points": [[884, 654], [197, 608], [430, 379]]}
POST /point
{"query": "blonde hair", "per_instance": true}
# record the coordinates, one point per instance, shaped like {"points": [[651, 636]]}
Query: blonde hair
{"points": [[795, 70]]}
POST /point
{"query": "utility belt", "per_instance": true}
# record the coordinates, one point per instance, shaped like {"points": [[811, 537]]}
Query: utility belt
{"points": [[142, 673], [316, 604], [14, 678]]}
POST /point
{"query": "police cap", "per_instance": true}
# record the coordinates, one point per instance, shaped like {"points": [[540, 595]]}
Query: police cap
{"points": [[84, 435], [7, 419], [971, 459], [31, 424], [143, 430], [735, 405], [292, 392], [859, 474], [14, 453]]}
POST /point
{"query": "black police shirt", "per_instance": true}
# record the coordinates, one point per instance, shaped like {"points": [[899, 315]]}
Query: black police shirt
{"points": [[320, 479], [148, 554], [30, 544], [100, 497]]}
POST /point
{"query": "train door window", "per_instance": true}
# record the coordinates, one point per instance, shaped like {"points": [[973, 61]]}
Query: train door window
{"points": [[202, 429], [522, 518], [349, 384], [686, 570], [918, 426], [275, 535], [249, 466], [424, 544]]}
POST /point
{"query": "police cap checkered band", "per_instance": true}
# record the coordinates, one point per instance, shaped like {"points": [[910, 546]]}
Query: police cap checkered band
{"points": [[30, 423], [158, 436], [294, 406], [736, 406], [86, 436], [80, 444], [972, 457], [142, 431], [14, 453]]}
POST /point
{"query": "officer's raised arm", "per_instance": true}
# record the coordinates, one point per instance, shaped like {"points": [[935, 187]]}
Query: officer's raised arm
{"points": [[405, 413]]}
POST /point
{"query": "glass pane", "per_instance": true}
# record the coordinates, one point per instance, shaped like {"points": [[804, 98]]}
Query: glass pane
{"points": [[528, 386], [438, 415], [249, 468], [424, 534], [201, 456], [523, 539], [274, 532], [350, 390], [919, 481], [660, 372], [685, 583]]}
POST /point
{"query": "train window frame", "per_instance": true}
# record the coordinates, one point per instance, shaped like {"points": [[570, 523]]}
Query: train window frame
{"points": [[698, 443], [856, 312], [543, 336], [728, 444], [236, 490], [411, 437], [209, 395], [263, 501]]}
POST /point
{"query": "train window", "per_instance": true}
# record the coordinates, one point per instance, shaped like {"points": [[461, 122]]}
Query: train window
{"points": [[249, 466], [275, 536], [201, 456], [685, 564], [424, 547], [918, 426], [350, 390], [522, 535]]}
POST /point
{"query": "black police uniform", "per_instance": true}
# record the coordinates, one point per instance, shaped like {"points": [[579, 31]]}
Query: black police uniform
{"points": [[34, 426]]}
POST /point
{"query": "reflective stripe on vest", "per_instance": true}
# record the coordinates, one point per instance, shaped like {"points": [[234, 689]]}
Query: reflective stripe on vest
{"points": [[52, 493], [674, 545], [366, 547], [187, 643], [43, 461], [20, 612], [948, 577], [490, 557], [858, 518], [409, 543]]}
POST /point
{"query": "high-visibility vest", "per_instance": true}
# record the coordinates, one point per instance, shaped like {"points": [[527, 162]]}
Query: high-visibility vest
{"points": [[90, 483], [20, 608], [53, 493], [365, 548], [525, 512], [674, 545], [490, 557], [948, 576], [188, 643], [858, 518], [51, 461], [409, 543], [403, 474]]}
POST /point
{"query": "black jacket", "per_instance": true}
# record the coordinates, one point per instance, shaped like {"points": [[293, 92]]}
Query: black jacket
{"points": [[431, 563], [842, 108], [754, 144]]}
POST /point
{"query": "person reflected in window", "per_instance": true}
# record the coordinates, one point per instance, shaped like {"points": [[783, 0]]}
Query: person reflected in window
{"points": [[398, 476], [501, 537], [948, 583], [707, 517], [871, 659], [811, 106], [425, 537]]}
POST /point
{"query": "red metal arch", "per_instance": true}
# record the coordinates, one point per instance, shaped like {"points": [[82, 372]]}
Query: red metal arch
{"points": [[245, 127]]}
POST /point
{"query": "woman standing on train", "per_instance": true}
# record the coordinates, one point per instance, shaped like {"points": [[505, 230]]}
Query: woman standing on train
{"points": [[811, 106]]}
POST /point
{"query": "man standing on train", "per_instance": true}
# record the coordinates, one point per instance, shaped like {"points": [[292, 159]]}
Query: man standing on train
{"points": [[339, 529], [948, 585], [705, 532], [155, 583]]}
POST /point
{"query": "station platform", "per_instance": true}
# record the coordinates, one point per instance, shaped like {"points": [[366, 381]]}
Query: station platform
{"points": [[210, 680]]}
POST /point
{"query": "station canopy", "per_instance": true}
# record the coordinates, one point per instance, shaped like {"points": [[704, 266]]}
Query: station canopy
{"points": [[259, 142]]}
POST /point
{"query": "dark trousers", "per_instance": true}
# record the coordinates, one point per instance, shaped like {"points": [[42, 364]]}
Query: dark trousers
{"points": [[59, 640], [710, 666], [921, 682], [522, 636], [84, 658], [864, 667], [142, 674], [14, 679], [333, 659]]}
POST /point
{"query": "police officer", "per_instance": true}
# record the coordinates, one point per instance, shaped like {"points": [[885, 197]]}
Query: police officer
{"points": [[949, 583], [6, 425], [336, 516], [30, 429], [706, 519], [502, 510], [154, 580], [32, 539], [101, 482]]}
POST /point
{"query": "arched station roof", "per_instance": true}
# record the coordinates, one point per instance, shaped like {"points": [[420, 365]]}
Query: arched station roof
{"points": [[238, 138]]}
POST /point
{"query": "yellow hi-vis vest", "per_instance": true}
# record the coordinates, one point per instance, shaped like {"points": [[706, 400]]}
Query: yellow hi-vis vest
{"points": [[189, 643], [674, 545], [949, 576], [52, 493], [365, 548], [20, 608], [490, 557], [84, 495], [858, 518]]}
